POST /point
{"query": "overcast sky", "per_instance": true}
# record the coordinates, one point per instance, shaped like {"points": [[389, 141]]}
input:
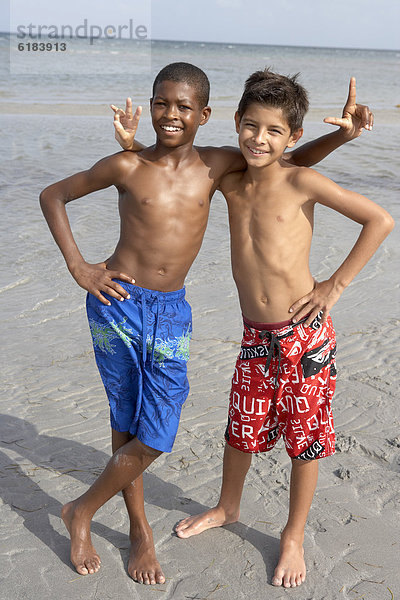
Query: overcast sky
{"points": [[338, 23]]}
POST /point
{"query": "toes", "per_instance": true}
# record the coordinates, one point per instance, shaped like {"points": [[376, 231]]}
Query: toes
{"points": [[160, 578], [92, 565], [136, 576], [81, 569], [277, 581], [146, 578]]}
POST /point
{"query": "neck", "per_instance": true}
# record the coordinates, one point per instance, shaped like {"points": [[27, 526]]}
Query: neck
{"points": [[174, 155], [263, 174]]}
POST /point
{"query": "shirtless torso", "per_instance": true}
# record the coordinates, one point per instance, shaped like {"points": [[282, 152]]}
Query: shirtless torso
{"points": [[271, 230], [164, 208]]}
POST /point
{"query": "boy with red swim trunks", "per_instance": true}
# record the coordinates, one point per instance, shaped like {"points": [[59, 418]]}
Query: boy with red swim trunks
{"points": [[285, 373]]}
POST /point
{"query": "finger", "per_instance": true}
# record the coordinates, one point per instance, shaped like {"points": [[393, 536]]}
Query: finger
{"points": [[123, 276], [324, 314], [136, 116], [117, 111], [299, 303], [110, 291], [128, 107], [120, 290], [351, 98], [120, 130], [301, 315], [313, 314], [100, 297], [371, 120], [335, 121], [365, 112]]}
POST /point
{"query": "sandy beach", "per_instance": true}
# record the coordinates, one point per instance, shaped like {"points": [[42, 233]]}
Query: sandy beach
{"points": [[54, 427], [55, 441]]}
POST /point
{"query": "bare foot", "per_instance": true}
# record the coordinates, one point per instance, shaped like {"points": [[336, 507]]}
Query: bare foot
{"points": [[143, 565], [291, 568], [83, 555], [215, 517]]}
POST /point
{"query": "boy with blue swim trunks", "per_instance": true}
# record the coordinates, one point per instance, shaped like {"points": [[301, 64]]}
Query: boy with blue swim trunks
{"points": [[139, 319]]}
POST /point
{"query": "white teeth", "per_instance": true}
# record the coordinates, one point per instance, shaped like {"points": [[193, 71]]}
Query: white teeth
{"points": [[170, 128], [254, 151]]}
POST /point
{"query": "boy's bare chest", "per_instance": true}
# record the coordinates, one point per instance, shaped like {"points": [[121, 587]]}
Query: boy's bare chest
{"points": [[163, 189], [265, 208]]}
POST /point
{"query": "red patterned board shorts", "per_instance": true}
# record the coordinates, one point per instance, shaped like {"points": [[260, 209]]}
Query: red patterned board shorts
{"points": [[283, 385]]}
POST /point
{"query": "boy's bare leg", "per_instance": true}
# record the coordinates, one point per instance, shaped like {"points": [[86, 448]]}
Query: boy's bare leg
{"points": [[236, 465], [291, 568], [125, 466], [143, 565]]}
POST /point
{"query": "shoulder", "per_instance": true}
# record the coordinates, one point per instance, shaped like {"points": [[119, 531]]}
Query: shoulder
{"points": [[223, 160], [121, 160], [305, 178], [317, 187], [118, 164]]}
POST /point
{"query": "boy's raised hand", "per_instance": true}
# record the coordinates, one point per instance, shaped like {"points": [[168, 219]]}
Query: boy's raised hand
{"points": [[126, 124], [355, 117]]}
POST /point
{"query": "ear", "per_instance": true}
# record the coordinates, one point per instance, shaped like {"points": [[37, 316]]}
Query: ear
{"points": [[205, 115], [294, 138], [237, 121], [151, 102]]}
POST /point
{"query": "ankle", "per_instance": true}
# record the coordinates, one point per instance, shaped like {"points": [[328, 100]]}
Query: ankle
{"points": [[294, 534], [231, 512], [140, 530]]}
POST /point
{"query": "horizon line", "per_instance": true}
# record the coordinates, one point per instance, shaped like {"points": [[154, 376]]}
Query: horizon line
{"points": [[224, 43]]}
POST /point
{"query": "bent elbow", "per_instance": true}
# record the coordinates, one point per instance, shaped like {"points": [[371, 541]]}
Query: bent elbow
{"points": [[43, 197], [388, 223]]}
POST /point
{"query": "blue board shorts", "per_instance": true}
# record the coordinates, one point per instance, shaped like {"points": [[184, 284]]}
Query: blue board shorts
{"points": [[141, 347]]}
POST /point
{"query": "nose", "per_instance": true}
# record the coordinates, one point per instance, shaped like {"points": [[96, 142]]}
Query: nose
{"points": [[259, 137], [171, 112]]}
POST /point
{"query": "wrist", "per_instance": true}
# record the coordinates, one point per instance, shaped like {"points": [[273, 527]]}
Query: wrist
{"points": [[342, 136], [339, 283], [75, 265]]}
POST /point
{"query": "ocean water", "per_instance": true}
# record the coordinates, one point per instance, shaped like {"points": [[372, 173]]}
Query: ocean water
{"points": [[55, 125]]}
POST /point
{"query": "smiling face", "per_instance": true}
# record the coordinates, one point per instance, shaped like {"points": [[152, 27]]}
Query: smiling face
{"points": [[176, 114], [264, 134]]}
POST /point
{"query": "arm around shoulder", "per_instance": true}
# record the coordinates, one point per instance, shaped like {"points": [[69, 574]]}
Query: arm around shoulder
{"points": [[223, 161]]}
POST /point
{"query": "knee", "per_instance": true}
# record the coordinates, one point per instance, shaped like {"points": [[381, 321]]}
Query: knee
{"points": [[147, 451]]}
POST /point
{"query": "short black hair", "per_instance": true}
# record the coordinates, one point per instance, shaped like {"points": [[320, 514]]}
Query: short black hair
{"points": [[279, 91], [187, 73]]}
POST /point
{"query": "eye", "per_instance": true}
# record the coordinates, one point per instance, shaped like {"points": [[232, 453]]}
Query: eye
{"points": [[276, 131], [183, 107]]}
